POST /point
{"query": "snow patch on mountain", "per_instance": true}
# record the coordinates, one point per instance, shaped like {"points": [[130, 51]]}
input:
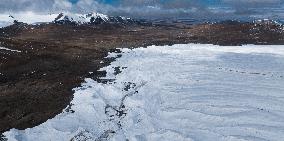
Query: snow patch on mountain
{"points": [[269, 25], [7, 49]]}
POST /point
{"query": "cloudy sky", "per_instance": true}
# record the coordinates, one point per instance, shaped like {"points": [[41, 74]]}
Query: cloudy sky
{"points": [[154, 8]]}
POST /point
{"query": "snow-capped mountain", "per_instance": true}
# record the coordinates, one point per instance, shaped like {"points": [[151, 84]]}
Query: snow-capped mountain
{"points": [[64, 18], [91, 18], [80, 18]]}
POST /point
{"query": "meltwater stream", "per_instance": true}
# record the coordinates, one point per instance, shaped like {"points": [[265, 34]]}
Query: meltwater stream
{"points": [[177, 93]]}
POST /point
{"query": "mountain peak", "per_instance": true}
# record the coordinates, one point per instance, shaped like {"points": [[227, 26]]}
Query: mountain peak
{"points": [[91, 18]]}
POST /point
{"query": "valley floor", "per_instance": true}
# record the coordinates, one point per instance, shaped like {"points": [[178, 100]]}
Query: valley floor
{"points": [[180, 92]]}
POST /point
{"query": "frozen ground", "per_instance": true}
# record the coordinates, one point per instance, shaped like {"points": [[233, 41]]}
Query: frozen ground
{"points": [[178, 93]]}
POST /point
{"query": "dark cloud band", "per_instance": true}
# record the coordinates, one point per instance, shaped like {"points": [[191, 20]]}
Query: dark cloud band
{"points": [[155, 8]]}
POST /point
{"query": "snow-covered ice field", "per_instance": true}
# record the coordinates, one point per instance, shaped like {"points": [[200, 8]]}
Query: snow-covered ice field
{"points": [[177, 93]]}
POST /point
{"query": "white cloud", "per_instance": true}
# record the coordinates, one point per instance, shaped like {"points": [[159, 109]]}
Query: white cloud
{"points": [[63, 5], [34, 5]]}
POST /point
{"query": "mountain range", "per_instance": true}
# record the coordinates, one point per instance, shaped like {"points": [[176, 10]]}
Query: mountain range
{"points": [[66, 18]]}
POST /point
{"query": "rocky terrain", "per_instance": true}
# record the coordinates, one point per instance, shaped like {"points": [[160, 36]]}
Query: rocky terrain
{"points": [[41, 63]]}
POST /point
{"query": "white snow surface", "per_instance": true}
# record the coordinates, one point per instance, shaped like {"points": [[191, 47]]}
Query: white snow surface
{"points": [[26, 17], [190, 92], [4, 48]]}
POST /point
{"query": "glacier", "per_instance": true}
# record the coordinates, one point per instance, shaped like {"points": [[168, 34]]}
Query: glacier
{"points": [[184, 92]]}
